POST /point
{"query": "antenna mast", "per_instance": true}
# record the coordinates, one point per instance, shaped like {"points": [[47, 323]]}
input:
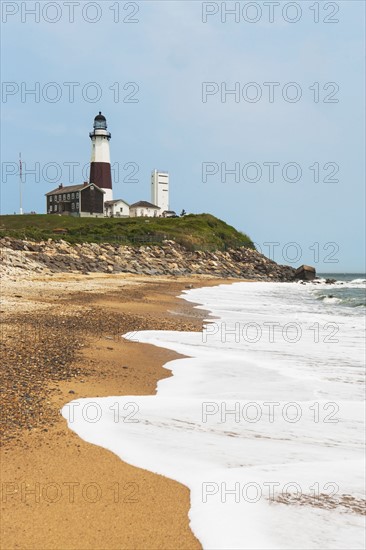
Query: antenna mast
{"points": [[20, 185]]}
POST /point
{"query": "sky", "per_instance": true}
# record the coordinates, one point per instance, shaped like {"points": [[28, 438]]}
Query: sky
{"points": [[256, 110]]}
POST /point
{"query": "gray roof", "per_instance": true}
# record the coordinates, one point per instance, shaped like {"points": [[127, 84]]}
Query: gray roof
{"points": [[144, 204], [114, 202], [71, 189]]}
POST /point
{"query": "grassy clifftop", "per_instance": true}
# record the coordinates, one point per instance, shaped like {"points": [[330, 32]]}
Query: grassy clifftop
{"points": [[194, 232]]}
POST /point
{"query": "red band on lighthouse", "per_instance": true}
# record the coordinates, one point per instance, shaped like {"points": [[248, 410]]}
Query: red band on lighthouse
{"points": [[100, 174]]}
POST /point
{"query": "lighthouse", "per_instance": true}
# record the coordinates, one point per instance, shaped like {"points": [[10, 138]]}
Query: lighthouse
{"points": [[100, 163]]}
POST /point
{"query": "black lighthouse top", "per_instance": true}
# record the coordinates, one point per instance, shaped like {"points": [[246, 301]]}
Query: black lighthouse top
{"points": [[100, 127], [100, 122]]}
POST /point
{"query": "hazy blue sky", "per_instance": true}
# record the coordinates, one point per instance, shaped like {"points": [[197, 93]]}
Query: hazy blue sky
{"points": [[169, 52]]}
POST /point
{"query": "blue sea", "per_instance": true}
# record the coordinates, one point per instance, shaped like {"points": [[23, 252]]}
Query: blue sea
{"points": [[348, 291]]}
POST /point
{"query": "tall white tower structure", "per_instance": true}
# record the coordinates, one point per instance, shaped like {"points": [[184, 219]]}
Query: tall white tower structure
{"points": [[100, 163], [160, 189]]}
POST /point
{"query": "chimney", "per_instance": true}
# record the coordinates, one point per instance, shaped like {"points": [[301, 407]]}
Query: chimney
{"points": [[60, 186]]}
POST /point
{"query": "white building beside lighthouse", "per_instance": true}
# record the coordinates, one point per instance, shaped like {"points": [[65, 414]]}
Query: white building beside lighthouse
{"points": [[160, 190], [100, 162]]}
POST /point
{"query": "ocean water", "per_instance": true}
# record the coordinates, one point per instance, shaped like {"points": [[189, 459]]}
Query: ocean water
{"points": [[263, 420], [348, 291]]}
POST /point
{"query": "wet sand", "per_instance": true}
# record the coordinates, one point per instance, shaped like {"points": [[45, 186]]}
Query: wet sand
{"points": [[61, 341]]}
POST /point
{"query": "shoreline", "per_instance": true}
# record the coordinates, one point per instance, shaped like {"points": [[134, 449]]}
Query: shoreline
{"points": [[59, 491]]}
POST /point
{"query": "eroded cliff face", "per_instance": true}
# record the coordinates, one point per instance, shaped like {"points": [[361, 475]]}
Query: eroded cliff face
{"points": [[21, 258]]}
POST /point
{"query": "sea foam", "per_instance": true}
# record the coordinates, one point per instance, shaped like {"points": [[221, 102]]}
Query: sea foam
{"points": [[263, 420]]}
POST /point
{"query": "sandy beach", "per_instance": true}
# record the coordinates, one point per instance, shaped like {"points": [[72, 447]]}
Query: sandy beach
{"points": [[61, 341]]}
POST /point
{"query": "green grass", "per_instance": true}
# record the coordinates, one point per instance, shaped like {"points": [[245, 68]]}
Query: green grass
{"points": [[194, 232]]}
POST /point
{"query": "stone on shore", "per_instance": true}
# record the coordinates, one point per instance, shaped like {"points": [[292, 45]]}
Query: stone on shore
{"points": [[305, 273]]}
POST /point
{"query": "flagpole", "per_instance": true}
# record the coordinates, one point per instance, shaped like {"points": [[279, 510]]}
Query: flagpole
{"points": [[20, 185]]}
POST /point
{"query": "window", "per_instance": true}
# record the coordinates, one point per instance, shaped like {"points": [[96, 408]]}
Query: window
{"points": [[64, 196], [68, 196], [51, 198], [72, 195], [77, 205], [121, 209], [72, 206]]}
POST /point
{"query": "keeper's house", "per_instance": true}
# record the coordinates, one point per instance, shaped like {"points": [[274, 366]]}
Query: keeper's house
{"points": [[144, 208], [85, 200], [116, 209]]}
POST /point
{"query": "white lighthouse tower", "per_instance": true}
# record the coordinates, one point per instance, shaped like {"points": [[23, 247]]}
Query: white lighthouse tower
{"points": [[100, 163]]}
